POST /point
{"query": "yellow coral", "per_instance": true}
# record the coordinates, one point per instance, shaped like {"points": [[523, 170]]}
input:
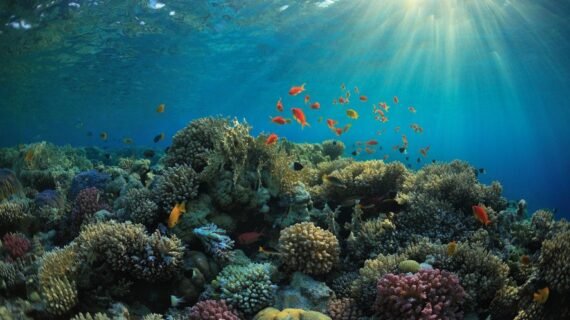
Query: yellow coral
{"points": [[60, 295], [289, 314], [88, 316], [308, 248], [56, 273]]}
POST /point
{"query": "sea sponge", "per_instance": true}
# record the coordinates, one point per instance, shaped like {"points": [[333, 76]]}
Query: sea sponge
{"points": [[89, 316], [308, 248], [193, 144], [344, 309], [333, 148], [9, 184], [213, 310], [140, 206], [554, 262], [289, 314], [177, 184], [246, 287], [16, 244], [428, 294]]}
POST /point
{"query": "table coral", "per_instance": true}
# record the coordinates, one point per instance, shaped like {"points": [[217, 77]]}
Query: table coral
{"points": [[212, 310], [308, 248], [428, 294]]}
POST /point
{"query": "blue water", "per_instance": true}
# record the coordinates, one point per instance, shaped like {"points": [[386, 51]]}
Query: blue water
{"points": [[489, 79]]}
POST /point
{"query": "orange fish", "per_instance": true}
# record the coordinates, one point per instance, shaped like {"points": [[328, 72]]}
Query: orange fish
{"points": [[480, 213], [248, 238], [338, 131], [541, 295], [384, 106], [331, 123], [412, 109], [341, 100], [272, 139], [175, 214], [280, 120], [363, 98], [160, 108], [372, 142], [416, 127], [295, 90], [279, 105], [315, 105], [451, 248], [396, 100], [307, 99], [299, 115], [384, 119], [424, 151]]}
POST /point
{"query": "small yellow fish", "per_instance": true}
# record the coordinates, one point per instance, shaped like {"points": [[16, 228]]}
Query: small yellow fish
{"points": [[175, 214], [451, 248], [541, 295], [160, 108], [104, 136], [351, 113]]}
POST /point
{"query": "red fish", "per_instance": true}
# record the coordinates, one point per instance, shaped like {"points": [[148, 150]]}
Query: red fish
{"points": [[341, 100], [280, 120], [480, 213], [299, 115], [316, 105], [372, 142], [331, 123], [338, 131], [396, 100], [279, 105], [363, 98], [424, 151], [307, 99], [295, 90], [272, 139], [248, 238]]}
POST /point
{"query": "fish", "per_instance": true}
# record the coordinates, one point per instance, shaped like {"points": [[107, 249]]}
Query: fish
{"points": [[175, 214], [331, 123], [127, 140], [280, 120], [159, 137], [104, 136], [480, 213], [369, 150], [451, 248], [295, 90], [342, 86], [320, 119], [396, 100], [346, 127], [404, 140], [384, 106], [372, 142], [351, 113], [482, 170], [412, 109], [416, 127], [347, 95], [272, 139], [341, 100], [384, 119], [160, 108], [297, 166], [175, 301], [363, 98], [267, 252], [354, 153], [299, 116], [334, 181], [334, 101], [525, 260], [424, 151], [248, 238], [356, 90], [307, 99], [541, 295], [149, 153], [279, 105], [419, 160], [315, 105], [338, 131], [403, 150], [107, 156]]}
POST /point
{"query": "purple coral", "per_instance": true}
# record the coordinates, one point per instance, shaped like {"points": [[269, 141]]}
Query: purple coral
{"points": [[50, 198], [87, 179], [212, 310], [215, 240], [426, 295], [88, 202], [16, 244]]}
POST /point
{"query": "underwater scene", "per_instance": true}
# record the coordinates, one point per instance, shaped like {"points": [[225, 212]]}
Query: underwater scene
{"points": [[284, 159]]}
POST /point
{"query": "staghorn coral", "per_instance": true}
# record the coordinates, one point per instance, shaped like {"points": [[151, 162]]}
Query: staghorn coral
{"points": [[178, 184], [215, 240], [89, 316], [139, 206], [428, 294], [60, 295], [308, 248], [333, 149], [554, 262], [9, 184], [212, 310], [344, 309], [16, 244], [246, 287], [289, 314], [193, 144]]}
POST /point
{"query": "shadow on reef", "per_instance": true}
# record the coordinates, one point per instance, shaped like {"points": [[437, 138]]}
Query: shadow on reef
{"points": [[224, 226]]}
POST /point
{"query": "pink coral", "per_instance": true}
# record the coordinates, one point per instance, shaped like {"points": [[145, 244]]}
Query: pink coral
{"points": [[212, 310], [87, 202], [16, 244], [426, 295]]}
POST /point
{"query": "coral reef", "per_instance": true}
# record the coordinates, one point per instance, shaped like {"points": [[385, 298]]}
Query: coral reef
{"points": [[9, 184], [16, 244], [178, 184], [308, 248], [140, 207], [88, 179], [12, 213], [212, 310], [215, 240], [292, 314], [554, 262], [303, 292], [344, 309], [87, 202], [428, 294], [333, 149]]}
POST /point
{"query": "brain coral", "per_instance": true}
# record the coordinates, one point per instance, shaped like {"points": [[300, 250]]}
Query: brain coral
{"points": [[178, 184], [246, 287], [212, 310], [9, 184], [428, 294], [308, 248], [554, 262]]}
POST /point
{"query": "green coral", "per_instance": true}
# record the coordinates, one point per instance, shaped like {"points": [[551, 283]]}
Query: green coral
{"points": [[409, 266], [246, 287]]}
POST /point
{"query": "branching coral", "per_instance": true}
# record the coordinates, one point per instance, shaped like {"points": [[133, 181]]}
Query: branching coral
{"points": [[11, 213], [344, 309], [216, 241], [178, 184], [87, 202], [9, 184], [246, 287], [333, 148], [428, 294], [16, 244], [371, 238], [505, 304], [554, 262], [56, 275], [89, 316], [8, 275], [140, 207], [308, 248], [212, 310]]}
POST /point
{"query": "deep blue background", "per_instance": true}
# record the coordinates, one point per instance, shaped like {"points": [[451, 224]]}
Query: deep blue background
{"points": [[490, 79]]}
